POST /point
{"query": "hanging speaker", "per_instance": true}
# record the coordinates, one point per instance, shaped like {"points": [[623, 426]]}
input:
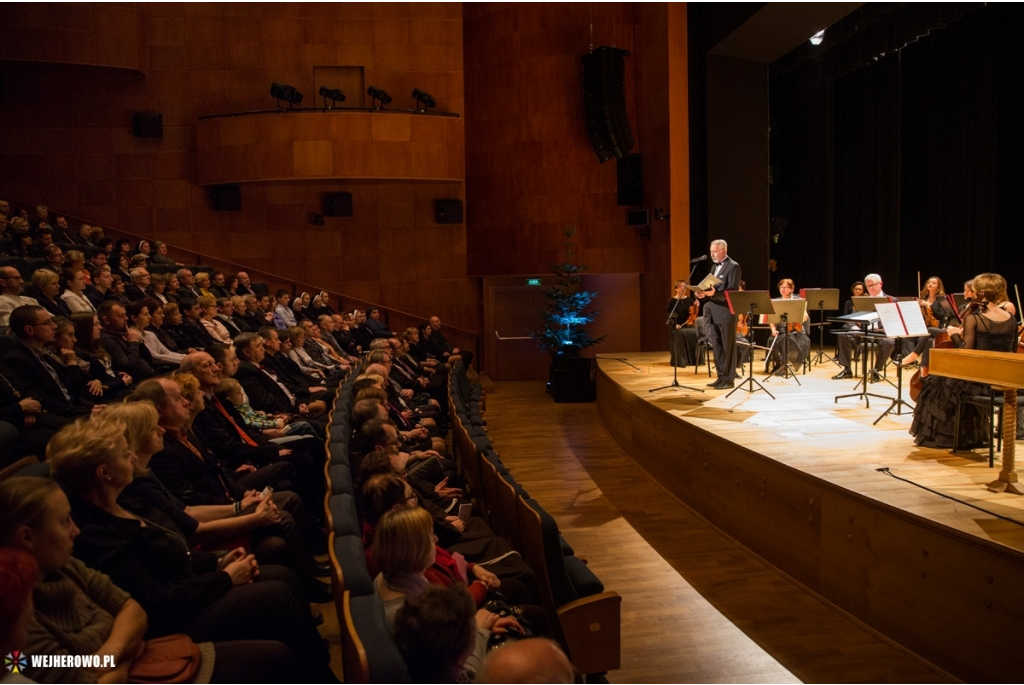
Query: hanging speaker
{"points": [[448, 211], [148, 124], [227, 198], [337, 204], [630, 175], [603, 75]]}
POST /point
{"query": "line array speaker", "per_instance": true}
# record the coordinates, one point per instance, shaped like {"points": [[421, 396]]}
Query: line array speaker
{"points": [[629, 171], [604, 102], [337, 204]]}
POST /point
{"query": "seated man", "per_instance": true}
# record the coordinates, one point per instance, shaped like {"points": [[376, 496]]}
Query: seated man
{"points": [[128, 354], [136, 290], [286, 372], [10, 293], [264, 391], [873, 282], [35, 373]]}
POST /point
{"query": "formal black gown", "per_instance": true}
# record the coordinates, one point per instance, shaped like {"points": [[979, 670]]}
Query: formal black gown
{"points": [[684, 340], [935, 413], [799, 348]]}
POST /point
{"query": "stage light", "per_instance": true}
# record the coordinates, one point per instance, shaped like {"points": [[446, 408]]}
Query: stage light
{"points": [[380, 96], [817, 38], [332, 94], [281, 92], [424, 101]]}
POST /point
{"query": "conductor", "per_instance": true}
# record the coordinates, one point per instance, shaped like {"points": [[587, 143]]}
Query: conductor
{"points": [[721, 323]]}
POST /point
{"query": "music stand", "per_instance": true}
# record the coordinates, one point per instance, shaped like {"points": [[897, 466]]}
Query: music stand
{"points": [[906, 322], [786, 311], [864, 316], [755, 302], [959, 300], [822, 300], [672, 333]]}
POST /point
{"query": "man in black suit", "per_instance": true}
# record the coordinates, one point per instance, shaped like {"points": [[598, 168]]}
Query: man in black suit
{"points": [[188, 289], [721, 321], [59, 386]]}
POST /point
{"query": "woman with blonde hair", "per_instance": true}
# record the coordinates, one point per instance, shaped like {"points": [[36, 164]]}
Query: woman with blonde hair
{"points": [[203, 283], [217, 330], [46, 290], [182, 590]]}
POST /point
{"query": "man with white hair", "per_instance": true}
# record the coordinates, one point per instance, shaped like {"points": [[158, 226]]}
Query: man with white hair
{"points": [[873, 282], [721, 322]]}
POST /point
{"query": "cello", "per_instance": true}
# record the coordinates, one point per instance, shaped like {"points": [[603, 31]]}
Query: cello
{"points": [[942, 341]]}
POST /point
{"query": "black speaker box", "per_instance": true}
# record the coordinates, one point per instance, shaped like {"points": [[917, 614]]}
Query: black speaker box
{"points": [[630, 175], [572, 379], [337, 204], [448, 211], [148, 124], [604, 102], [226, 198]]}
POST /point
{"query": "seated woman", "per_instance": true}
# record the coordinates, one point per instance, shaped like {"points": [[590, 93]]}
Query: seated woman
{"points": [[799, 343], [182, 590], [684, 332], [78, 610], [158, 288], [74, 292], [46, 290], [938, 313], [987, 327], [140, 315], [216, 330], [81, 335], [203, 284]]}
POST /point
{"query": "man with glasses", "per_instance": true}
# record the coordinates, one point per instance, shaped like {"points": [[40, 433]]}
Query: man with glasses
{"points": [[58, 384], [10, 293], [873, 282]]}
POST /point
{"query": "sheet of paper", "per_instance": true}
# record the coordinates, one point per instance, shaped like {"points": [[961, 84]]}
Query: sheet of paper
{"points": [[709, 282], [890, 319], [913, 319]]}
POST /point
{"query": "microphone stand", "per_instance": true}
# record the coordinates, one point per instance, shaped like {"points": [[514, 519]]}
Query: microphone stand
{"points": [[671, 323]]}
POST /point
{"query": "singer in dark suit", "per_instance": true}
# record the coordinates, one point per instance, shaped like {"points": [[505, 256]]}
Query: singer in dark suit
{"points": [[721, 323]]}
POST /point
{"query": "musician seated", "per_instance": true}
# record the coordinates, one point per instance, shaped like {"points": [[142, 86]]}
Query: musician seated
{"points": [[792, 337], [873, 282], [683, 332], [937, 312]]}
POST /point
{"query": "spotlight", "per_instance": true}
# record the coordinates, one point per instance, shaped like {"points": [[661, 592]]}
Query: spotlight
{"points": [[817, 38], [332, 94], [424, 101], [381, 96], [280, 91]]}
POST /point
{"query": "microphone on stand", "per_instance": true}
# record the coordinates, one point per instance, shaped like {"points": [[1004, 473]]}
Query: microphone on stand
{"points": [[698, 259]]}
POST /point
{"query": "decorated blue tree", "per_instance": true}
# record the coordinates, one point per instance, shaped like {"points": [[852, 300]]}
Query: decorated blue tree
{"points": [[565, 314]]}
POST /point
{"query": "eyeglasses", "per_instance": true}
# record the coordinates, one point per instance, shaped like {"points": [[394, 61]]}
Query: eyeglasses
{"points": [[46, 322]]}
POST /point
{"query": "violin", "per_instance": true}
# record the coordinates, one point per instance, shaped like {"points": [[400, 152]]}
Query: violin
{"points": [[694, 312], [794, 327], [930, 319], [741, 325]]}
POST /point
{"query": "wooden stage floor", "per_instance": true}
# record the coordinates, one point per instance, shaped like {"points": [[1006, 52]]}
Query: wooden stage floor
{"points": [[806, 429]]}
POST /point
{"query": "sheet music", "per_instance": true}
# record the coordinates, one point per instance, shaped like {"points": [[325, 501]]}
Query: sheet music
{"points": [[913, 319], [892, 322], [902, 319]]}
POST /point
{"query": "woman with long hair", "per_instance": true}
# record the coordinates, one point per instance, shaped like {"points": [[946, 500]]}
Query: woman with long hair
{"points": [[80, 334]]}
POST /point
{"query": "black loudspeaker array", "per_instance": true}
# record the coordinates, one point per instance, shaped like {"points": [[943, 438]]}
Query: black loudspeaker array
{"points": [[148, 124], [629, 171], [337, 204], [604, 102], [226, 198]]}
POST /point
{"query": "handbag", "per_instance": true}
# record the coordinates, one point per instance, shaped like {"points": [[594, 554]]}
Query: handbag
{"points": [[497, 605], [169, 659]]}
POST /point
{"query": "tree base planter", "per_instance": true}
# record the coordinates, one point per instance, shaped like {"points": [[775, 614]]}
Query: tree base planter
{"points": [[572, 379]]}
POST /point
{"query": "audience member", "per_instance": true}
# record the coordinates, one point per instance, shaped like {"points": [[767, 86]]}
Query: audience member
{"points": [[10, 293], [123, 342], [46, 289], [74, 292]]}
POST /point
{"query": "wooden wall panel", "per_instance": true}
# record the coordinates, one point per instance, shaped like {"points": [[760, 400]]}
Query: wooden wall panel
{"points": [[100, 34], [78, 155]]}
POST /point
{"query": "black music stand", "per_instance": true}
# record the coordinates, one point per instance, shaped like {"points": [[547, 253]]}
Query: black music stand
{"points": [[863, 319], [786, 311], [672, 332], [755, 302], [911, 316], [822, 300]]}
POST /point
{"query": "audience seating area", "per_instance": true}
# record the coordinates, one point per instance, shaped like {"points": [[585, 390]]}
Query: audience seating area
{"points": [[311, 385]]}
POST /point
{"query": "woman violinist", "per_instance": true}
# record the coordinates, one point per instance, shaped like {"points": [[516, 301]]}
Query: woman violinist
{"points": [[937, 312], [684, 308], [795, 336], [986, 326]]}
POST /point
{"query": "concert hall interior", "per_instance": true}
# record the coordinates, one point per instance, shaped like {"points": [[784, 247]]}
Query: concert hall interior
{"points": [[746, 499]]}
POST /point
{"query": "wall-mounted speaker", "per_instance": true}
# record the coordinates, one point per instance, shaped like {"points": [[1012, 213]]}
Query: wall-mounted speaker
{"points": [[226, 198], [604, 102], [148, 124], [629, 173], [448, 211], [337, 204]]}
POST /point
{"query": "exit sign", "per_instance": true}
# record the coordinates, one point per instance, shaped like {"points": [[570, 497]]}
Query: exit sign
{"points": [[532, 281]]}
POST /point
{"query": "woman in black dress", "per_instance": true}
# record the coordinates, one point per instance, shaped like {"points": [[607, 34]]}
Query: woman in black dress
{"points": [[985, 327], [684, 336]]}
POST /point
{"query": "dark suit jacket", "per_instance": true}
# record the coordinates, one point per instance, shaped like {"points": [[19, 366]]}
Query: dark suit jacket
{"points": [[132, 358], [31, 378], [134, 293], [190, 479], [717, 307], [188, 293], [232, 327], [221, 437], [264, 394]]}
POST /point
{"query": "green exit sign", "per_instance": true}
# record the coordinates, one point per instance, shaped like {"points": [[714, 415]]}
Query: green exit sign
{"points": [[532, 281]]}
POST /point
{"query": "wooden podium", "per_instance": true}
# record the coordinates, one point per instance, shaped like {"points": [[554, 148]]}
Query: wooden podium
{"points": [[1002, 371]]}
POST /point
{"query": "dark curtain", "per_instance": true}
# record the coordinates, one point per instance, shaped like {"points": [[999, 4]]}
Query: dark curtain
{"points": [[909, 161]]}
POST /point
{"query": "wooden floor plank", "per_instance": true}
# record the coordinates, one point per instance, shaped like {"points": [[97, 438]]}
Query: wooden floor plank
{"points": [[696, 606]]}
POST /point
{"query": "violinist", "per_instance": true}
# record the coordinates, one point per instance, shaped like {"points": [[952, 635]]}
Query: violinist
{"points": [[986, 326], [799, 343], [937, 312], [856, 290], [684, 308]]}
